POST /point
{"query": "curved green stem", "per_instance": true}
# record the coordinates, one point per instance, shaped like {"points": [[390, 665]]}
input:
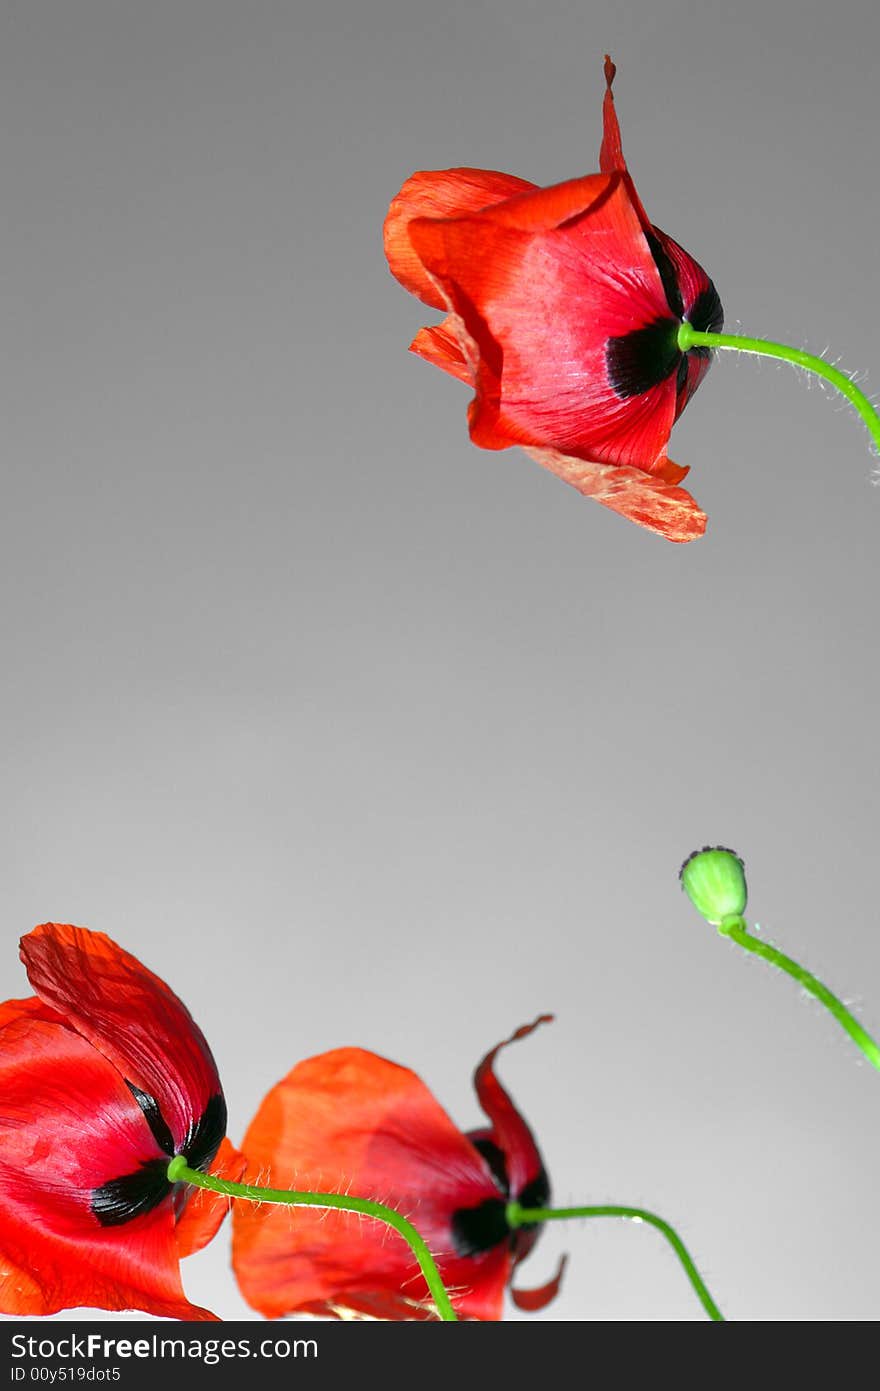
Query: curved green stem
{"points": [[180, 1172], [521, 1216], [737, 931], [689, 337]]}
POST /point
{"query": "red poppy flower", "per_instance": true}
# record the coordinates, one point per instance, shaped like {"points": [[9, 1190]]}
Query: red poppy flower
{"points": [[104, 1077], [353, 1117], [562, 311]]}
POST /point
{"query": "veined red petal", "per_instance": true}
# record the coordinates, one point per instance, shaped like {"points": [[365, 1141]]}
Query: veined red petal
{"points": [[353, 1122], [438, 193], [650, 501], [537, 288], [129, 1015], [68, 1127], [539, 1298], [509, 1130]]}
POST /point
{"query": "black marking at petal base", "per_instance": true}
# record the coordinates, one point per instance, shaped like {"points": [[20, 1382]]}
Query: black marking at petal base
{"points": [[154, 1118], [706, 316], [131, 1196], [122, 1199], [203, 1140], [681, 376], [707, 313], [494, 1157], [476, 1229], [536, 1193], [668, 275], [642, 358]]}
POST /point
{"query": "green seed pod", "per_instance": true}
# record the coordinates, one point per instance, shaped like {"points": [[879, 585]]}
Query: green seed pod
{"points": [[714, 880]]}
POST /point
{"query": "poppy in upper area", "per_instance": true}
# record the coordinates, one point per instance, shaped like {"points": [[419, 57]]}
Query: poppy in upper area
{"points": [[104, 1077], [562, 311], [353, 1120]]}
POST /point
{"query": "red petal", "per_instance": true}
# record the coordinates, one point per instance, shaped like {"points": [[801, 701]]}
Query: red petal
{"points": [[651, 502], [349, 1121], [611, 153], [537, 287], [561, 206], [438, 193], [509, 1130], [128, 1014], [204, 1210], [440, 346], [68, 1124], [539, 1298]]}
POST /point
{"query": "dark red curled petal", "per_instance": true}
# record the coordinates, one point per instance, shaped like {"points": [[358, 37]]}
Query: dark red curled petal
{"points": [[509, 1130], [140, 1026], [532, 1300]]}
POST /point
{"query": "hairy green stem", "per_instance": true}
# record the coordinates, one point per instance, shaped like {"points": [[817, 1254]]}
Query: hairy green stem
{"points": [[520, 1216], [689, 337], [180, 1172], [737, 931]]}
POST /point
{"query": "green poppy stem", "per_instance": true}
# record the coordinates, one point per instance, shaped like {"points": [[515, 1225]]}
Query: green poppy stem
{"points": [[180, 1172], [689, 337], [520, 1216], [737, 931]]}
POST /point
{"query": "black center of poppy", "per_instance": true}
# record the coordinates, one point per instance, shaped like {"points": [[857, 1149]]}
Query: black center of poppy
{"points": [[642, 358], [121, 1199], [647, 356], [476, 1229]]}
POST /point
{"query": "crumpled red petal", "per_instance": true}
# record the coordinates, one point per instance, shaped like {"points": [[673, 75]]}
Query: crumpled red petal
{"points": [[354, 1122], [68, 1124], [440, 346], [650, 501], [438, 193], [128, 1014]]}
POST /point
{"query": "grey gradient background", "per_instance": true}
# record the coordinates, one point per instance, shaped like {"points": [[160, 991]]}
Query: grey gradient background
{"points": [[357, 734]]}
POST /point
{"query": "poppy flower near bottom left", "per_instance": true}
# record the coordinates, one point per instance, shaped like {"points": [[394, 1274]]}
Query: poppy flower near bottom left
{"points": [[104, 1076]]}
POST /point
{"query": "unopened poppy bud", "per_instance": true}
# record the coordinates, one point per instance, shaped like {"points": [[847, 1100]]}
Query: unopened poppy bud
{"points": [[714, 880]]}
